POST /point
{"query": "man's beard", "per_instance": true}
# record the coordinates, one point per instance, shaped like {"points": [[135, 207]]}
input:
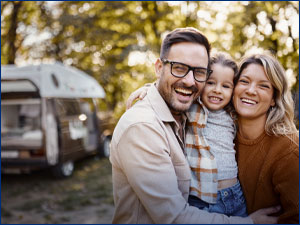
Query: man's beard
{"points": [[170, 99]]}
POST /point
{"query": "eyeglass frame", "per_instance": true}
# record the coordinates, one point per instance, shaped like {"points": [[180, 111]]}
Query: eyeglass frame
{"points": [[208, 73]]}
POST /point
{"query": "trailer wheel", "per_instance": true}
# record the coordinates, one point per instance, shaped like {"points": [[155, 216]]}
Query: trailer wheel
{"points": [[63, 170], [105, 147]]}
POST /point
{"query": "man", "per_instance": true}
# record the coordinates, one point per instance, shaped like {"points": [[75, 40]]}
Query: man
{"points": [[151, 177]]}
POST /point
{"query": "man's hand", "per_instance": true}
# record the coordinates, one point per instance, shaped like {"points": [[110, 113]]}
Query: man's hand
{"points": [[261, 216]]}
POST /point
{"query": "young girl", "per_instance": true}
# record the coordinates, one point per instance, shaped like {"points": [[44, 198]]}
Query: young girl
{"points": [[209, 146]]}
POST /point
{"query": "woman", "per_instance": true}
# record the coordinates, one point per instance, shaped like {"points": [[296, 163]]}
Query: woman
{"points": [[267, 141]]}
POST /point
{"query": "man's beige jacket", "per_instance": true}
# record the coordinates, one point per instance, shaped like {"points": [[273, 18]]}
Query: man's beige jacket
{"points": [[151, 177]]}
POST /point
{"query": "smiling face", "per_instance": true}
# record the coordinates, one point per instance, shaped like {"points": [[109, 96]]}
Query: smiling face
{"points": [[218, 88], [253, 94], [179, 93]]}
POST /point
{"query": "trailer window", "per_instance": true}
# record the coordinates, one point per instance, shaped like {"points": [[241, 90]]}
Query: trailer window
{"points": [[20, 116], [67, 107]]}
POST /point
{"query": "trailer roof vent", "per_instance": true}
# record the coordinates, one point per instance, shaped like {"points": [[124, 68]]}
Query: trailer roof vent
{"points": [[54, 80]]}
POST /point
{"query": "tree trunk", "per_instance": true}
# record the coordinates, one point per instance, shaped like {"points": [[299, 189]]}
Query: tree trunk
{"points": [[12, 33]]}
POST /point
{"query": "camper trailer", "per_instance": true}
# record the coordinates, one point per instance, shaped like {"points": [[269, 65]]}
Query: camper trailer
{"points": [[50, 118]]}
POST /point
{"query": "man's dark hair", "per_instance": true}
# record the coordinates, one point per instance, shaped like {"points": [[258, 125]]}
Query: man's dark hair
{"points": [[178, 35]]}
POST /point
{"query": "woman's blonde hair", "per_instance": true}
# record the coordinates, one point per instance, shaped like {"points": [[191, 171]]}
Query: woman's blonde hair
{"points": [[280, 119]]}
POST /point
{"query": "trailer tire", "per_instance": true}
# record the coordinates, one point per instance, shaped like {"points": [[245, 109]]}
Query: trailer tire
{"points": [[63, 169], [105, 147]]}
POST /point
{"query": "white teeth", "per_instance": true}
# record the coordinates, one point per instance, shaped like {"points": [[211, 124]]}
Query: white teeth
{"points": [[248, 101], [184, 91], [215, 99]]}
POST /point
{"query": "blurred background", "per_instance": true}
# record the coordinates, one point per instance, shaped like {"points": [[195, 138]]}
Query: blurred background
{"points": [[117, 42]]}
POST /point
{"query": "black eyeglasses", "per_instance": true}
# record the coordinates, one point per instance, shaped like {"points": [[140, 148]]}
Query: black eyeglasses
{"points": [[180, 70]]}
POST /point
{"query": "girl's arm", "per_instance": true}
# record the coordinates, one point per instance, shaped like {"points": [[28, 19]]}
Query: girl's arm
{"points": [[138, 94]]}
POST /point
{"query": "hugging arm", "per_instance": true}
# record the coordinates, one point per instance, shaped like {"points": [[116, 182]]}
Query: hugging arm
{"points": [[137, 94], [261, 216], [155, 178]]}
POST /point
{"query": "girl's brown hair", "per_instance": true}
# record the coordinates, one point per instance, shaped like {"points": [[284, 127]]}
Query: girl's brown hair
{"points": [[225, 60]]}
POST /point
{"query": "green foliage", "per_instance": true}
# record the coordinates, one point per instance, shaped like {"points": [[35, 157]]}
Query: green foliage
{"points": [[18, 19], [101, 37]]}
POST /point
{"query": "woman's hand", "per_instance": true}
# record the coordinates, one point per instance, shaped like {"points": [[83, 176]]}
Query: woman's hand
{"points": [[137, 94], [261, 216]]}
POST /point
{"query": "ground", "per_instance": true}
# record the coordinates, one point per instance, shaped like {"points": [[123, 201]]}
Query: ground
{"points": [[39, 198]]}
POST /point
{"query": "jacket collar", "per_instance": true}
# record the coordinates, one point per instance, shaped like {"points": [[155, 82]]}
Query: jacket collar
{"points": [[159, 105]]}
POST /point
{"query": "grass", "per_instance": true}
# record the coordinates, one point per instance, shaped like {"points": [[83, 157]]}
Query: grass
{"points": [[64, 219], [74, 200], [90, 184], [5, 213], [30, 205]]}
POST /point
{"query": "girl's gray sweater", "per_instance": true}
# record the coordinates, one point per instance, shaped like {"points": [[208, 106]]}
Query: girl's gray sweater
{"points": [[219, 133]]}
